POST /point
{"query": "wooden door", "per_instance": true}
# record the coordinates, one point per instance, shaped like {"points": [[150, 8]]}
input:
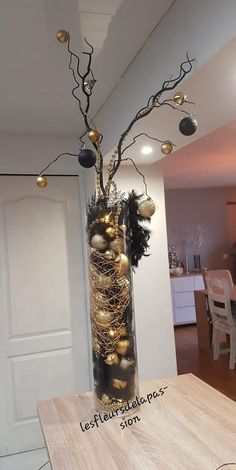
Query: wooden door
{"points": [[43, 320]]}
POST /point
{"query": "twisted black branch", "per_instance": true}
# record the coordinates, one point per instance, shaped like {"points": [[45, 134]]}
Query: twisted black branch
{"points": [[138, 171], [57, 158], [146, 135], [151, 104]]}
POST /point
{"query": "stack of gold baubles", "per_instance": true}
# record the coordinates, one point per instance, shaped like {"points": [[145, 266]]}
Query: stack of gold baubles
{"points": [[111, 304]]}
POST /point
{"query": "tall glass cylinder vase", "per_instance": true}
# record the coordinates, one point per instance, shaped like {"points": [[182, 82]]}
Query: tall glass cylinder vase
{"points": [[111, 304]]}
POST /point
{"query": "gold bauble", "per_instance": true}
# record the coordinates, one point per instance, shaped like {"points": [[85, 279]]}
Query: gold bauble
{"points": [[117, 245], [123, 282], [122, 264], [99, 242], [89, 84], [103, 282], [100, 300], [123, 228], [94, 135], [122, 331], [119, 384], [112, 359], [42, 181], [105, 219], [105, 399], [166, 147], [63, 36], [102, 317], [109, 255], [147, 208], [125, 363], [122, 346], [110, 231], [180, 98]]}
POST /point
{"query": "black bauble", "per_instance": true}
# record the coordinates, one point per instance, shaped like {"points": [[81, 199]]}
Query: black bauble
{"points": [[188, 126], [87, 158]]}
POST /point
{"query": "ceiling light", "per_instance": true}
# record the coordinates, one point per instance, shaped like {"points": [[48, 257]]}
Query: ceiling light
{"points": [[146, 150]]}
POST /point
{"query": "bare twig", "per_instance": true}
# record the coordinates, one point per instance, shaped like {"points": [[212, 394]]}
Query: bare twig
{"points": [[150, 137]]}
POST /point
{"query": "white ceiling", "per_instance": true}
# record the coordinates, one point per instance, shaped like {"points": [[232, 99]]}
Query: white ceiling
{"points": [[35, 84]]}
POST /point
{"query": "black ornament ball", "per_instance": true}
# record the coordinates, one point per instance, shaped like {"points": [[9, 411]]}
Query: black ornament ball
{"points": [[87, 158], [188, 126]]}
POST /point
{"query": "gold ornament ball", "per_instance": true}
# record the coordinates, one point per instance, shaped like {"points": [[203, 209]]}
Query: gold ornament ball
{"points": [[147, 208], [94, 135], [124, 283], [102, 318], [42, 181], [110, 255], [110, 231], [122, 264], [166, 147], [122, 346], [103, 282], [123, 228], [112, 359], [117, 245], [180, 98], [105, 399], [63, 36], [99, 242], [119, 384], [125, 363]]}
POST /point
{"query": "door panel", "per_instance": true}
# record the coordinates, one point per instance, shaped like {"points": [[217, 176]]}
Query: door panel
{"points": [[43, 318]]}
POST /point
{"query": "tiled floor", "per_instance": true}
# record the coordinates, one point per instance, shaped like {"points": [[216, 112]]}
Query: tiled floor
{"points": [[190, 359], [25, 461]]}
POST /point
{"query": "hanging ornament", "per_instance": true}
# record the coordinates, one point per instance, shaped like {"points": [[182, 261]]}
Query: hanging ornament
{"points": [[188, 126], [110, 231], [99, 242], [167, 147], [117, 245], [122, 264], [112, 359], [89, 84], [119, 384], [147, 208], [63, 36], [42, 181], [87, 158], [94, 135], [122, 346], [180, 98]]}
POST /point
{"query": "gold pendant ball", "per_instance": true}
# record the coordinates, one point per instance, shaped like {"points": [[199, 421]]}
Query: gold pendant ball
{"points": [[122, 346], [42, 181], [166, 147], [94, 135], [122, 264], [112, 359], [63, 36], [147, 208], [180, 98], [99, 242]]}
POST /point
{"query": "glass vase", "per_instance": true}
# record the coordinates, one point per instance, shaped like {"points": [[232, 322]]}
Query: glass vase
{"points": [[111, 307]]}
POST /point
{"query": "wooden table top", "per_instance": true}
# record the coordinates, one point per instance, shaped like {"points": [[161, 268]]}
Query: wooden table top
{"points": [[190, 426]]}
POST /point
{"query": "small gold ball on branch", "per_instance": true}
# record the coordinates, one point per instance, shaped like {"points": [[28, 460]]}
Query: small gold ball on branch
{"points": [[110, 231], [112, 359], [42, 181], [167, 147], [147, 208], [180, 98], [119, 384], [63, 36], [117, 244], [122, 346], [94, 135], [122, 264], [99, 242]]}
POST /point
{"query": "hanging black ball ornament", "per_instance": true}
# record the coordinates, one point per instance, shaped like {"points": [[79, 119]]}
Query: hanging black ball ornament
{"points": [[87, 158], [188, 126]]}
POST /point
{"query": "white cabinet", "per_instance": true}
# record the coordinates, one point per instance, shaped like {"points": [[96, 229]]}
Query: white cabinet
{"points": [[182, 291]]}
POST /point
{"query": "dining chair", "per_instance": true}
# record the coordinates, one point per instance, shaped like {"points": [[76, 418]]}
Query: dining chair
{"points": [[220, 274], [223, 320]]}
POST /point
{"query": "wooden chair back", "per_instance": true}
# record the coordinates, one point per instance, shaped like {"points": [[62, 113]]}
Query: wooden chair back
{"points": [[219, 300]]}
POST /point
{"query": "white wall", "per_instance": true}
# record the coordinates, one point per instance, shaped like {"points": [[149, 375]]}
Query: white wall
{"points": [[153, 309]]}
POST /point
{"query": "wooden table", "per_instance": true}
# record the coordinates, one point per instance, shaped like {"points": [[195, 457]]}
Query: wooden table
{"points": [[190, 427]]}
